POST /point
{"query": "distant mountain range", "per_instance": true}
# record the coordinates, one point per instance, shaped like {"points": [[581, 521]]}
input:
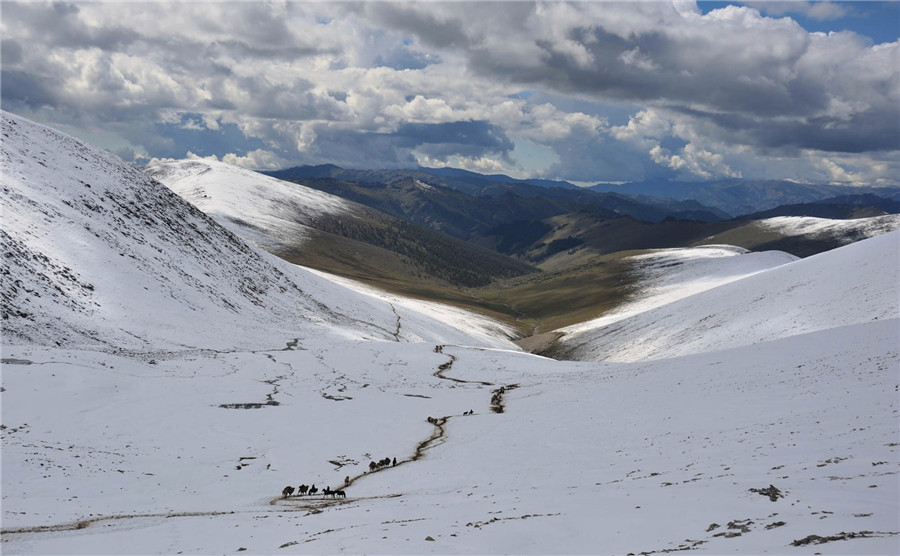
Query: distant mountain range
{"points": [[540, 220], [653, 201], [743, 197], [500, 199]]}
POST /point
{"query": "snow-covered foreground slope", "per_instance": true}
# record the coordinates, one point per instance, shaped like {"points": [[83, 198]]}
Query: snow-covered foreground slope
{"points": [[270, 212], [585, 458], [858, 283], [162, 448], [96, 254]]}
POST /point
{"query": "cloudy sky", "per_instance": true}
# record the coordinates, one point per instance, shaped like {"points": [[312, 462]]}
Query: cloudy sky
{"points": [[583, 91]]}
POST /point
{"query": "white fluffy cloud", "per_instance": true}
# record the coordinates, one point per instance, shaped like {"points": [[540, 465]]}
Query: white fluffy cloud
{"points": [[726, 93]]}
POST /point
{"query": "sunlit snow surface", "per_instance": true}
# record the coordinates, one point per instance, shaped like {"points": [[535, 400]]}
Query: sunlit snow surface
{"points": [[274, 213], [853, 230], [845, 286], [182, 450], [667, 275]]}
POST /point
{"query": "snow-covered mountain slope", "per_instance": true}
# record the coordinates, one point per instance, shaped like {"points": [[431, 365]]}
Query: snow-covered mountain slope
{"points": [[854, 284], [847, 231], [98, 254], [270, 212], [666, 275]]}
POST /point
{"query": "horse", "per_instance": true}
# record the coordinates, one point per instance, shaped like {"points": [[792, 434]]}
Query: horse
{"points": [[327, 491], [288, 490], [340, 493], [313, 490]]}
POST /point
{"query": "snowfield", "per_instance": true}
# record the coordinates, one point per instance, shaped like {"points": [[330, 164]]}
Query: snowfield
{"points": [[164, 409]]}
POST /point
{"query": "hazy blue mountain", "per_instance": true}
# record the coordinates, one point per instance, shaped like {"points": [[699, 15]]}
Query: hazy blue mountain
{"points": [[740, 197]]}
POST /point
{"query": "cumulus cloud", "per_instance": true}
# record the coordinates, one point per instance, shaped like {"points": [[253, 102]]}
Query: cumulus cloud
{"points": [[615, 90], [821, 10]]}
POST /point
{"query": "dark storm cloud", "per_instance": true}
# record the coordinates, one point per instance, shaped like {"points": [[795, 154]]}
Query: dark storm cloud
{"points": [[19, 89], [10, 52], [243, 49], [353, 149], [859, 133], [59, 25], [430, 27], [462, 138]]}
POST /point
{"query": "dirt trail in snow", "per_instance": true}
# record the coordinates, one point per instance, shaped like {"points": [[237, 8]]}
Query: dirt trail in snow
{"points": [[85, 523], [311, 503], [438, 435], [448, 365]]}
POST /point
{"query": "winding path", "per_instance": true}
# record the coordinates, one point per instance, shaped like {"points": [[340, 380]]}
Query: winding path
{"points": [[314, 502], [438, 434]]}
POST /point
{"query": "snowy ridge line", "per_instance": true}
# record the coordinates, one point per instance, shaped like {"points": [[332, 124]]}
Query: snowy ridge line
{"points": [[277, 211], [851, 230]]}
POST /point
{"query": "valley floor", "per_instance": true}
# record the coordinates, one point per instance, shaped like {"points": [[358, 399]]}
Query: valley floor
{"points": [[786, 447]]}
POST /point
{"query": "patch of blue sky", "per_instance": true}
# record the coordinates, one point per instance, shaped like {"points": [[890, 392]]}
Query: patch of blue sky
{"points": [[190, 135], [534, 158], [615, 113]]}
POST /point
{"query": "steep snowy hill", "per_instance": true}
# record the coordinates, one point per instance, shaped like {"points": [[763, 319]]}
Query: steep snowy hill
{"points": [[272, 213], [97, 254], [855, 284]]}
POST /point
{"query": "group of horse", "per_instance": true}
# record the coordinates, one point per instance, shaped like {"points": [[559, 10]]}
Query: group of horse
{"points": [[381, 463], [311, 490]]}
